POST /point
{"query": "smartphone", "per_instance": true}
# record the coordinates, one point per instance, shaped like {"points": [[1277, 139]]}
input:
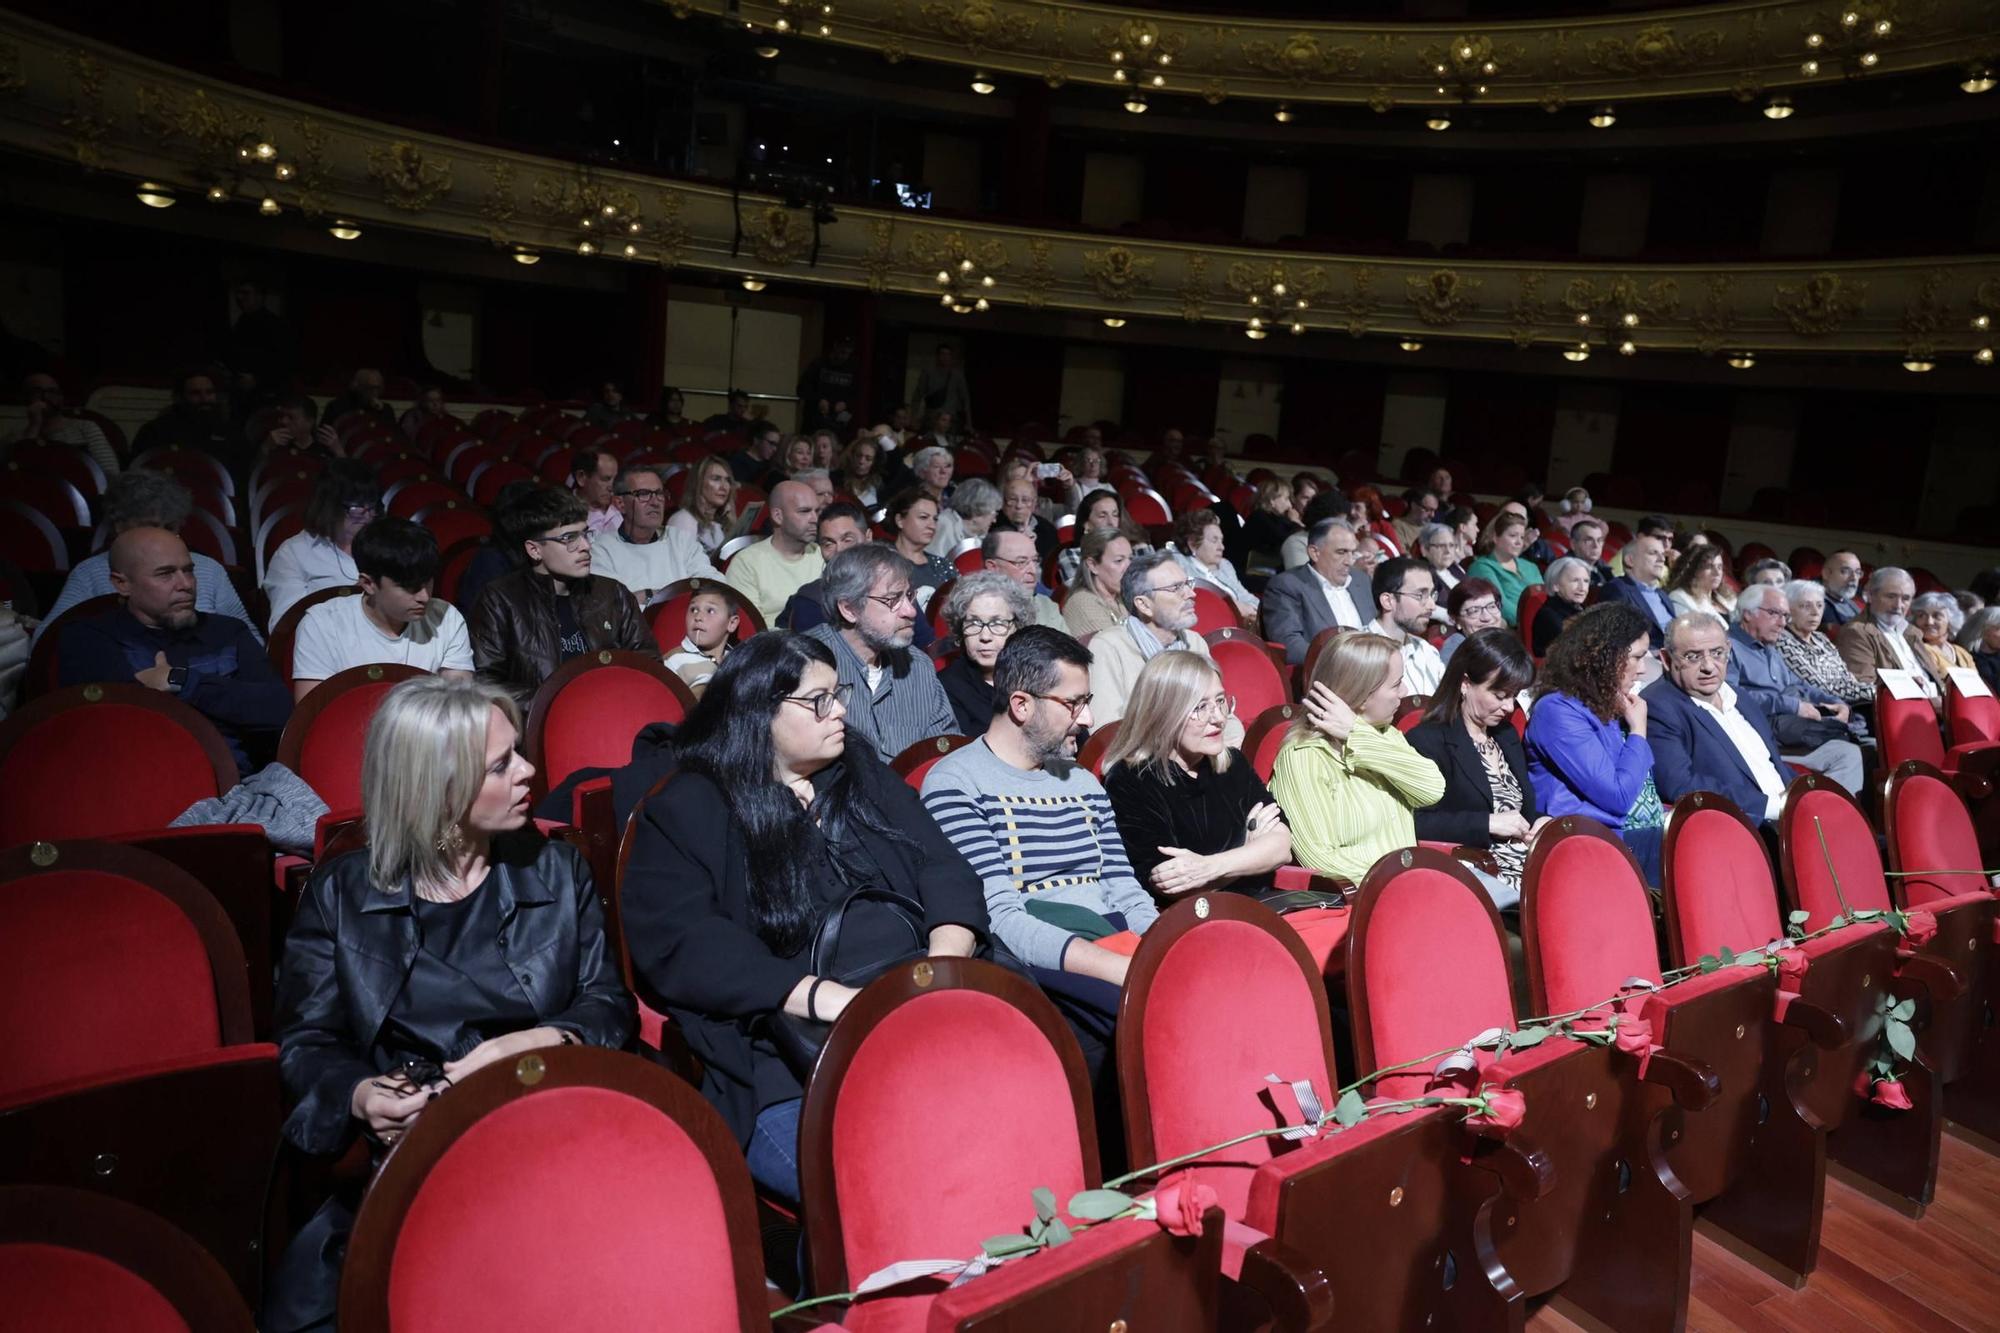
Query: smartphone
{"points": [[1049, 470]]}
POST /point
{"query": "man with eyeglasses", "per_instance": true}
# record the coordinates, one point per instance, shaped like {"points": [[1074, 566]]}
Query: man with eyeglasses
{"points": [[1701, 736], [1586, 543], [1645, 558], [642, 552], [1159, 618], [1020, 512], [1810, 724], [1405, 596], [1014, 554], [1420, 510], [770, 571], [870, 626], [1319, 594], [531, 621]]}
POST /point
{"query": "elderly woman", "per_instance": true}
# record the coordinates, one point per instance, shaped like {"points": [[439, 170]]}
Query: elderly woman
{"points": [[1502, 564], [495, 936], [777, 815], [913, 517], [966, 516], [1346, 778], [1770, 570], [1474, 605], [1981, 638], [1696, 584], [1094, 602], [983, 610], [1568, 585], [931, 465], [1936, 619], [1198, 543], [1810, 653], [345, 499], [1191, 810]]}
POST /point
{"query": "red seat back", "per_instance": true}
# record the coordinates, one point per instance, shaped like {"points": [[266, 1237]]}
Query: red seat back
{"points": [[413, 497], [70, 464], [323, 740], [277, 527], [1815, 805], [191, 467], [1091, 756], [1248, 672], [1907, 729], [1717, 880], [92, 761], [204, 533], [71, 1260], [914, 763], [46, 493], [40, 677], [1533, 598], [454, 522], [667, 613], [489, 479], [1930, 829], [1146, 507], [586, 715], [29, 541], [1213, 611], [1971, 719], [1264, 736], [1585, 917], [285, 634], [452, 564]]}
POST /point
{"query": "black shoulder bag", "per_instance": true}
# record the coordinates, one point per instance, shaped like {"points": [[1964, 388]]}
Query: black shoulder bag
{"points": [[799, 1040]]}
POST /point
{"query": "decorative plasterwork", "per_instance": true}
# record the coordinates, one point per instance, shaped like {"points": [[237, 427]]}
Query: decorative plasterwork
{"points": [[140, 120], [1729, 50]]}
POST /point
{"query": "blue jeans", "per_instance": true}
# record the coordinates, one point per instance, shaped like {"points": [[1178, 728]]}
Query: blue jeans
{"points": [[774, 1149]]}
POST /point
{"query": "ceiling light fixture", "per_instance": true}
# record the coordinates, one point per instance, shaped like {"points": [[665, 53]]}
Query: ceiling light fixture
{"points": [[586, 248], [1628, 348], [982, 82], [343, 230], [1136, 104], [526, 256], [216, 194], [1779, 107], [752, 283], [283, 171], [1918, 362], [269, 208], [1984, 356], [767, 51], [1604, 117], [1283, 115], [1978, 79], [1411, 345], [1577, 352], [155, 196], [1113, 322], [1742, 360], [1439, 119]]}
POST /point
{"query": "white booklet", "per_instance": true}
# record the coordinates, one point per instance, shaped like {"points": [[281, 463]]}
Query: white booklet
{"points": [[1901, 684], [1970, 683]]}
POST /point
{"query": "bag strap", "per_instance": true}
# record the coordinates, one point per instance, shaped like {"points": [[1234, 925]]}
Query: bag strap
{"points": [[826, 940]]}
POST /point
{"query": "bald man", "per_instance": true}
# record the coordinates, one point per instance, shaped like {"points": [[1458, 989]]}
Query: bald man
{"points": [[769, 572], [157, 638]]}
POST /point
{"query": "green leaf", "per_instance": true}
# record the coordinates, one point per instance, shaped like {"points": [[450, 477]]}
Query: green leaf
{"points": [[1725, 955], [1798, 918], [1045, 1203], [1901, 1040], [1709, 963], [1058, 1233], [1528, 1037], [1906, 1011], [999, 1247], [1351, 1109], [1755, 958], [1099, 1205], [1600, 1036]]}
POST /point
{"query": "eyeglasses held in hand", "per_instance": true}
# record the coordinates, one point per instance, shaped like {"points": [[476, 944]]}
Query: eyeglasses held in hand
{"points": [[823, 702]]}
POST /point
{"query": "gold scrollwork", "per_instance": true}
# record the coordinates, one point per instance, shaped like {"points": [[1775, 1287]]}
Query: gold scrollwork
{"points": [[1986, 296], [1820, 304], [310, 169], [928, 252], [1039, 276], [1300, 58], [86, 120], [1117, 273], [584, 196], [1527, 313], [1714, 316], [1443, 296], [671, 230], [216, 129], [778, 235], [1623, 295], [1654, 51], [977, 24], [1194, 289], [1925, 314], [409, 180], [880, 261], [499, 207], [1360, 304]]}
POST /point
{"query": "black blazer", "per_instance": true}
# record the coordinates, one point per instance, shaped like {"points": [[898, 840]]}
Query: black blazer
{"points": [[350, 950], [1461, 813]]}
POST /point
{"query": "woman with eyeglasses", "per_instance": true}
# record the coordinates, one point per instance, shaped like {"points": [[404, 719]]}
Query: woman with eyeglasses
{"points": [[1474, 605], [776, 817], [345, 499], [1191, 810], [982, 611]]}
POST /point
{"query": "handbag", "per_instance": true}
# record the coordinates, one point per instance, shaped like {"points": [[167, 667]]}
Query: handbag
{"points": [[800, 1040]]}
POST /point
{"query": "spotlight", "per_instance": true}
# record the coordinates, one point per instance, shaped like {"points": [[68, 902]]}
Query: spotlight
{"points": [[1411, 345], [586, 248], [1438, 120], [1629, 319], [982, 82], [1984, 356], [1981, 323], [343, 230], [1158, 80], [767, 51], [1577, 352], [1113, 322], [752, 284], [1742, 360], [1604, 117], [1136, 104], [1779, 107], [216, 194], [1917, 364], [1809, 68], [155, 196], [269, 208], [1628, 348], [631, 252], [1978, 79], [1298, 327], [1256, 334], [982, 305], [1283, 115], [526, 256], [283, 171], [263, 151]]}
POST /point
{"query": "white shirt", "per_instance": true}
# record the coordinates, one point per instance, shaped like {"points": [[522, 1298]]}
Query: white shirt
{"points": [[1748, 744], [303, 565], [710, 535], [338, 634], [647, 567], [1423, 665], [1338, 600], [1906, 658]]}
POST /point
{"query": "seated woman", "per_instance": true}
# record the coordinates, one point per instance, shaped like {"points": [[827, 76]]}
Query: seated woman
{"points": [[967, 515], [1468, 732], [708, 504], [1093, 603], [345, 499], [1502, 564], [1345, 777], [1981, 638], [1811, 653], [501, 941], [1101, 511], [913, 517], [1199, 545], [1191, 811], [1473, 605], [860, 470], [1696, 584], [1936, 619], [774, 819], [1587, 749], [1568, 585], [982, 612]]}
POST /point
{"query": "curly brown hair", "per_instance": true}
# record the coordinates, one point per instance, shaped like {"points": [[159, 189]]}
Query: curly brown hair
{"points": [[1697, 559], [1588, 657]]}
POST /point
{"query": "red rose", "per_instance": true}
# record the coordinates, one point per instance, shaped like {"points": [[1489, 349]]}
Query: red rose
{"points": [[1504, 1109], [1182, 1204], [1918, 927], [1864, 1083], [1792, 966], [1635, 1036], [1889, 1092]]}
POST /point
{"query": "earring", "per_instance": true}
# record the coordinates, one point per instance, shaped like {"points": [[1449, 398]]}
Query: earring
{"points": [[453, 841]]}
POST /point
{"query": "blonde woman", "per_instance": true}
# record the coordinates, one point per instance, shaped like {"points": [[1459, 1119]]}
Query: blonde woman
{"points": [[1093, 603], [495, 946], [1191, 810], [707, 505], [1345, 777]]}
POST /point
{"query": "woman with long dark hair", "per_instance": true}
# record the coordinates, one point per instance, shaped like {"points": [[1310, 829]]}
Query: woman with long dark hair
{"points": [[345, 499], [775, 818]]}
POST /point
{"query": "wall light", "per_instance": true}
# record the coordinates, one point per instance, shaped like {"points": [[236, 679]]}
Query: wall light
{"points": [[1411, 345], [1984, 356], [343, 230], [1604, 117], [752, 283], [526, 256], [1283, 115], [982, 82], [1779, 107], [1742, 360], [1577, 352], [1113, 322], [155, 196], [767, 51], [1978, 79], [1917, 364], [269, 208], [1136, 104], [1438, 120]]}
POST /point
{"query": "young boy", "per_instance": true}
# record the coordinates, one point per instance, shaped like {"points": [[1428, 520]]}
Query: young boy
{"points": [[395, 619], [711, 629]]}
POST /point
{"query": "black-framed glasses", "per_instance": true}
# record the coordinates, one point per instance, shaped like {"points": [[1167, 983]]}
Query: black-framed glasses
{"points": [[1479, 610], [892, 600], [1428, 597], [569, 541], [367, 510], [1003, 627], [1013, 561], [645, 493], [823, 702], [1075, 706]]}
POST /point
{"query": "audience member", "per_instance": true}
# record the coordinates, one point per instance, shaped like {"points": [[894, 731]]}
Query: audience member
{"points": [[1474, 605], [194, 420], [1937, 620], [1199, 546], [1569, 587], [345, 499], [1468, 732], [860, 472], [1464, 524], [1270, 521], [1651, 525], [1645, 558], [752, 463], [1012, 554], [1575, 508], [1586, 738], [829, 384], [1437, 545], [1101, 510], [1981, 638], [393, 619], [982, 612], [50, 422], [528, 623], [293, 428], [142, 498], [838, 526], [363, 397], [1019, 501], [499, 943], [1697, 584], [1420, 510], [642, 551], [896, 700], [1702, 739], [1503, 564], [1841, 576], [1094, 603], [712, 622], [912, 516], [1191, 810], [1810, 653], [593, 476], [501, 551], [795, 456], [428, 407], [1586, 543], [1772, 571], [1404, 597], [1882, 636], [1809, 723], [607, 408], [671, 414], [1300, 603], [260, 342], [941, 387], [734, 417], [1439, 481], [770, 571], [707, 508], [1158, 599], [931, 468], [967, 517], [157, 638], [1345, 777]]}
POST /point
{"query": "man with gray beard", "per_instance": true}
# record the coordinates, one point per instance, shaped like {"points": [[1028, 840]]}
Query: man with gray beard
{"points": [[1159, 618], [896, 699]]}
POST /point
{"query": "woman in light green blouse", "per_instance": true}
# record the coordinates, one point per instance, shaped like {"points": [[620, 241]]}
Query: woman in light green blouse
{"points": [[1345, 777]]}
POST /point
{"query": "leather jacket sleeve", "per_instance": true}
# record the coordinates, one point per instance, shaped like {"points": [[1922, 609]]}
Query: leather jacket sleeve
{"points": [[602, 1012], [317, 1054]]}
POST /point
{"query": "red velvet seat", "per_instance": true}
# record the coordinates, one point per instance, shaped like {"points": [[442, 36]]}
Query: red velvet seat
{"points": [[277, 527], [569, 1188], [465, 458], [95, 760], [1250, 671], [1908, 730], [1213, 611], [1266, 735], [29, 541], [40, 677], [126, 1063], [667, 612], [410, 469], [234, 863], [1013, 1117], [1971, 719], [452, 564], [1410, 712], [1533, 598], [410, 498], [1752, 1156], [282, 488], [285, 634], [62, 461], [489, 479], [1096, 746], [914, 763], [587, 714], [322, 741], [191, 467], [1320, 643], [453, 522], [46, 493], [1609, 1226], [71, 1260]]}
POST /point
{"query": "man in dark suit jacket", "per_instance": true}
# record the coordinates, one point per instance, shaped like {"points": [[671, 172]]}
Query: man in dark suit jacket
{"points": [[1299, 603], [1702, 739], [1645, 562]]}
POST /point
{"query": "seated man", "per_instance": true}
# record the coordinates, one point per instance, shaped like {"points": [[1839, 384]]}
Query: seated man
{"points": [[157, 638], [1405, 593], [395, 619], [1650, 525], [194, 420], [363, 395], [528, 623], [712, 621], [1702, 739], [1645, 559], [1810, 724], [1013, 554], [896, 700], [1159, 618], [143, 498], [593, 472], [1586, 543], [1019, 504], [50, 422], [642, 552], [1300, 603], [768, 573], [753, 460], [1841, 577], [1882, 636], [839, 526]]}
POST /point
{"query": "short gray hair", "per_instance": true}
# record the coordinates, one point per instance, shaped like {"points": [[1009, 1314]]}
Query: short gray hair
{"points": [[1589, 521], [1317, 534], [1941, 601], [1560, 565], [1973, 635], [140, 498], [922, 457], [987, 583], [1138, 581], [1753, 597], [1432, 532], [975, 497], [1689, 620], [1765, 565], [851, 576], [1800, 589], [1882, 576]]}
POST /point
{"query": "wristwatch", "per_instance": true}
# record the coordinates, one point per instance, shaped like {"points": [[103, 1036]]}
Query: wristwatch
{"points": [[176, 677]]}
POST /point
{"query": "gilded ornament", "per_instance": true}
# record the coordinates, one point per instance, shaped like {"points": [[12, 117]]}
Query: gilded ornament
{"points": [[310, 166], [1360, 304], [1381, 100], [1116, 272], [932, 253], [216, 130], [1040, 274], [1714, 316], [1654, 51], [1986, 297], [1300, 57], [671, 230], [895, 53], [1925, 314], [778, 235], [86, 120], [1139, 41], [1623, 295], [1467, 62], [1554, 98], [1821, 304], [880, 261], [1055, 75], [1214, 92], [1443, 296], [976, 24], [409, 181], [1194, 289], [12, 80], [1527, 314], [583, 195], [498, 207]]}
